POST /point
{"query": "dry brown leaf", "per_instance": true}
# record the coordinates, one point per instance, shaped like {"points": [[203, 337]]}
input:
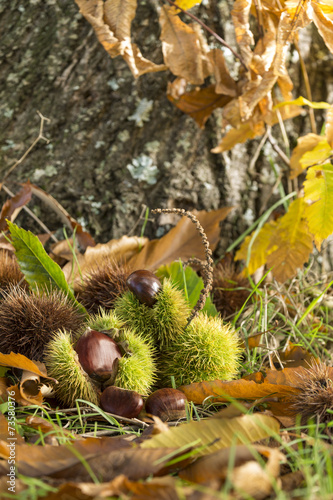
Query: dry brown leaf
{"points": [[23, 363], [111, 21], [245, 131], [181, 242], [322, 16], [14, 204], [244, 37], [182, 47], [225, 84], [31, 396], [7, 430], [200, 104], [3, 388], [304, 144], [45, 426]]}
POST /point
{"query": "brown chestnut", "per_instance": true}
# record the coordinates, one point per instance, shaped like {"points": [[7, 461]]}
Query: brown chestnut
{"points": [[121, 402], [167, 404], [145, 286], [98, 355]]}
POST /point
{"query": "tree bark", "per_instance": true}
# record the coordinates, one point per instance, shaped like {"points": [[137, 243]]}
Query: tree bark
{"points": [[102, 120]]}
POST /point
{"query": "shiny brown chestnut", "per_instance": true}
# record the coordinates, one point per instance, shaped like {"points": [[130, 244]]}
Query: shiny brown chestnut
{"points": [[167, 404], [121, 402], [145, 286], [98, 355]]}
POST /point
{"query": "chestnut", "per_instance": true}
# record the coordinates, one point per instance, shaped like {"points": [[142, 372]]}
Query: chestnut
{"points": [[98, 355], [145, 286], [121, 402], [167, 404]]}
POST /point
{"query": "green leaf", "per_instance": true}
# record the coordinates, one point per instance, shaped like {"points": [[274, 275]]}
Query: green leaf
{"points": [[193, 284], [40, 271]]}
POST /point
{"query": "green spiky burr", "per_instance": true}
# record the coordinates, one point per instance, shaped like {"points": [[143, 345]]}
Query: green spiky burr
{"points": [[206, 350], [137, 368], [163, 322], [62, 363]]}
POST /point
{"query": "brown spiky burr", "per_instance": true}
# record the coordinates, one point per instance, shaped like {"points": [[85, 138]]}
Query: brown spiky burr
{"points": [[102, 285], [316, 394], [10, 272], [28, 321], [230, 288]]}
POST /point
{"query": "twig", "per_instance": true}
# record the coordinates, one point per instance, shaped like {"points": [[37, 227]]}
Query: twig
{"points": [[308, 88], [40, 136], [279, 151], [42, 225], [207, 28], [207, 266]]}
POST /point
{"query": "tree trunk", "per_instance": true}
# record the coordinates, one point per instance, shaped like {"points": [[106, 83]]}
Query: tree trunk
{"points": [[102, 121]]}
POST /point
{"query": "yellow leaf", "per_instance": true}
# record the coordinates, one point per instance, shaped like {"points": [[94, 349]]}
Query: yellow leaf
{"points": [[187, 4], [304, 144], [318, 192], [320, 153], [258, 252], [215, 434], [329, 126], [291, 242], [301, 101]]}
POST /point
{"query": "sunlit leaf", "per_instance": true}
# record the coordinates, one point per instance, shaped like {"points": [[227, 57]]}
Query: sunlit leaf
{"points": [[187, 4], [239, 135], [23, 363], [329, 126], [215, 434], [259, 249], [304, 144], [200, 104], [182, 47], [318, 192], [302, 101], [320, 153], [322, 17], [291, 243]]}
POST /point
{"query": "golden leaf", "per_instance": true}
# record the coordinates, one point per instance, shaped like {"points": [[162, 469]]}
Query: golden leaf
{"points": [[246, 131], [304, 144], [187, 4], [322, 16], [318, 191], [240, 16], [259, 249], [291, 242], [225, 84], [329, 126]]}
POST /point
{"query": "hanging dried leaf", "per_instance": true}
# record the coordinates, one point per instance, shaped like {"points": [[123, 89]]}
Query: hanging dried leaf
{"points": [[248, 130], [322, 16], [182, 47], [200, 104], [318, 193], [111, 21], [244, 37], [225, 84], [12, 206], [291, 243], [181, 242]]}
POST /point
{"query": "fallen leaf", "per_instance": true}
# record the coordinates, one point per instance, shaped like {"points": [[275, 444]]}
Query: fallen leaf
{"points": [[225, 84], [13, 205], [245, 131], [23, 363], [181, 242]]}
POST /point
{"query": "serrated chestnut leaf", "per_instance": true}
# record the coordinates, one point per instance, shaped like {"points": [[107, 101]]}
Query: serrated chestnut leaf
{"points": [[98, 355], [167, 404], [121, 402], [145, 286]]}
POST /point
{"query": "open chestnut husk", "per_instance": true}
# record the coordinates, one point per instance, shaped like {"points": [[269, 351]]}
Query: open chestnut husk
{"points": [[121, 402], [167, 404], [98, 355], [145, 286]]}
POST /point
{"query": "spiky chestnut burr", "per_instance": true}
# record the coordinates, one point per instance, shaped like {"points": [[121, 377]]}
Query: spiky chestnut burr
{"points": [[10, 273], [163, 322], [27, 320], [230, 288], [135, 371], [102, 286], [62, 363], [206, 350], [316, 394]]}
